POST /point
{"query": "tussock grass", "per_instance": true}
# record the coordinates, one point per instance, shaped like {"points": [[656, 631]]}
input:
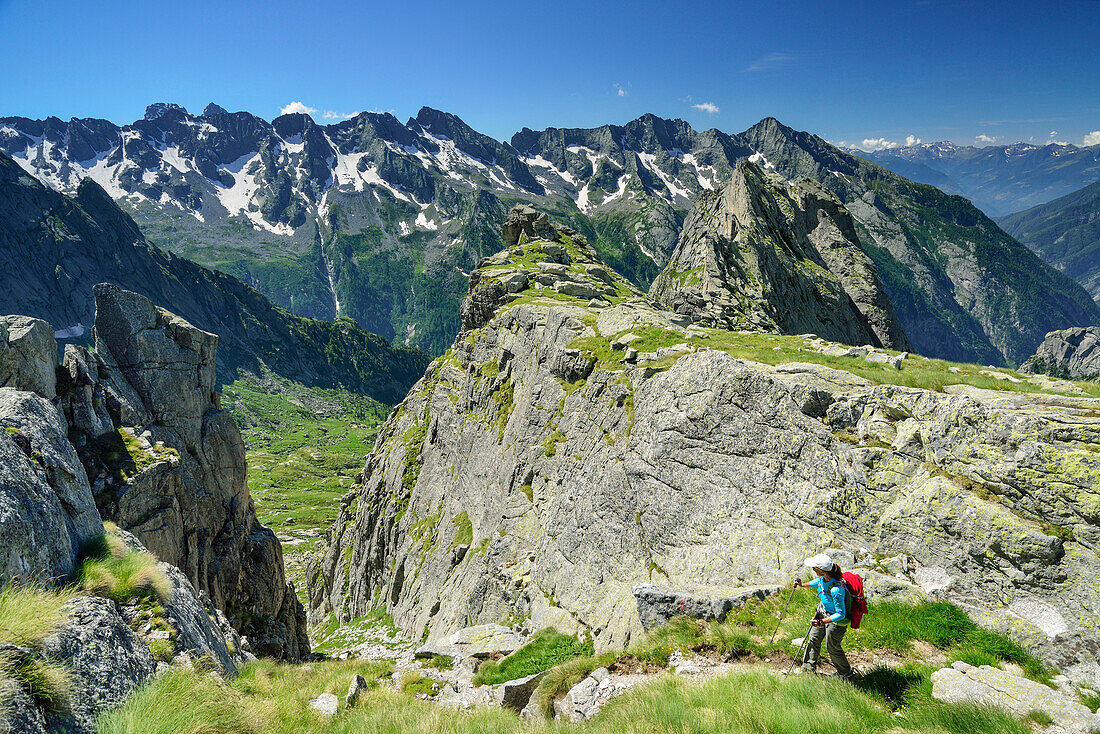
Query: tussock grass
{"points": [[29, 613], [558, 680], [114, 571], [180, 702], [546, 649]]}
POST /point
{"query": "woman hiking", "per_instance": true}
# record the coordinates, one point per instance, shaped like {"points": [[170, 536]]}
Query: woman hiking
{"points": [[831, 620]]}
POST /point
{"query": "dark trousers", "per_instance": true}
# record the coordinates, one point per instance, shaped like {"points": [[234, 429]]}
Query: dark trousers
{"points": [[832, 634]]}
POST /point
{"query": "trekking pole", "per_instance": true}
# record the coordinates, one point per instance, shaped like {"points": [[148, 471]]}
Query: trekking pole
{"points": [[805, 641], [781, 615]]}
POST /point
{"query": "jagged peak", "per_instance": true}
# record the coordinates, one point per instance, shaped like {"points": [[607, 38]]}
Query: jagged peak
{"points": [[159, 109], [214, 109]]}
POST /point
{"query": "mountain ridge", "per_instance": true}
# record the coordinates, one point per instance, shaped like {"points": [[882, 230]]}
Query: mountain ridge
{"points": [[382, 222]]}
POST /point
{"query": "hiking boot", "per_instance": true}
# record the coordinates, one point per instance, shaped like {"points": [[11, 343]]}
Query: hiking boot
{"points": [[848, 677]]}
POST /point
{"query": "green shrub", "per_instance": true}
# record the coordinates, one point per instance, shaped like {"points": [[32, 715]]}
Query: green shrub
{"points": [[163, 650], [441, 662], [546, 649]]}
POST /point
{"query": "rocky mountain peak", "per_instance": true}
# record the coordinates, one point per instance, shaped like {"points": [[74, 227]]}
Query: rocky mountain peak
{"points": [[768, 255], [159, 109], [214, 109]]}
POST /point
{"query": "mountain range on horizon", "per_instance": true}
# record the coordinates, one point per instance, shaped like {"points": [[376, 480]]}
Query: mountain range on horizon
{"points": [[381, 221]]}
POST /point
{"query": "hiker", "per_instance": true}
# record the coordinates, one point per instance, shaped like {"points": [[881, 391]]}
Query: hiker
{"points": [[831, 620]]}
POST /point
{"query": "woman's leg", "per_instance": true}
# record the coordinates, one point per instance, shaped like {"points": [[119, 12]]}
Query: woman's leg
{"points": [[813, 648], [834, 636]]}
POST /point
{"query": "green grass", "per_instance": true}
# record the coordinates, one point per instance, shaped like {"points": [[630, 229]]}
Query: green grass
{"points": [[180, 702], [28, 614], [773, 349], [113, 571], [417, 683], [271, 698], [546, 649], [1092, 700]]}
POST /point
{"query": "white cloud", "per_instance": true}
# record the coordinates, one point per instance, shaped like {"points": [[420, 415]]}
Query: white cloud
{"points": [[1092, 138], [330, 115], [877, 144], [620, 89], [983, 138], [297, 108], [912, 140], [772, 61], [709, 107]]}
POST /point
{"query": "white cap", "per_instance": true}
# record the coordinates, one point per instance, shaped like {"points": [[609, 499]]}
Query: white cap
{"points": [[821, 560]]}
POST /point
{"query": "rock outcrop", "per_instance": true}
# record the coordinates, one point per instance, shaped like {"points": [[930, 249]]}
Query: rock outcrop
{"points": [[47, 512], [1070, 353], [988, 686], [567, 449], [765, 255], [28, 355], [175, 474], [107, 659]]}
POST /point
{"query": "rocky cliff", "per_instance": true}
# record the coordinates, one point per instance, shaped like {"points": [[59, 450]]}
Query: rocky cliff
{"points": [[54, 249], [130, 432], [168, 465], [1072, 353], [578, 440], [765, 255]]}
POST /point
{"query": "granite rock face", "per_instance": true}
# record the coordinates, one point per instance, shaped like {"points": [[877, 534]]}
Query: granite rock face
{"points": [[1072, 353], [765, 255], [185, 495], [541, 469]]}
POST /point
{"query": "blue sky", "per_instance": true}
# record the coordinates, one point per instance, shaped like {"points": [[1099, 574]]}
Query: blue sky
{"points": [[849, 71]]}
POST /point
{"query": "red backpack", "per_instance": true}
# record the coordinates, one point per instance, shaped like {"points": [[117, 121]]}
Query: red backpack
{"points": [[853, 582]]}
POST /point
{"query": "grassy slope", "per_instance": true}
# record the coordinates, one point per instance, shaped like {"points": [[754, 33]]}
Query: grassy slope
{"points": [[269, 697]]}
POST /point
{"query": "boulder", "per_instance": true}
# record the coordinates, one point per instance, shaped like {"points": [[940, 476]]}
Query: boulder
{"points": [[108, 661], [658, 604], [326, 704], [525, 220], [480, 641], [582, 702], [986, 685], [18, 714], [28, 355], [1072, 353], [516, 694], [356, 688], [202, 631]]}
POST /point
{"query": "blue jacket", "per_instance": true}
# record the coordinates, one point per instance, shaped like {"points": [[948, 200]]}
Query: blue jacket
{"points": [[833, 599]]}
